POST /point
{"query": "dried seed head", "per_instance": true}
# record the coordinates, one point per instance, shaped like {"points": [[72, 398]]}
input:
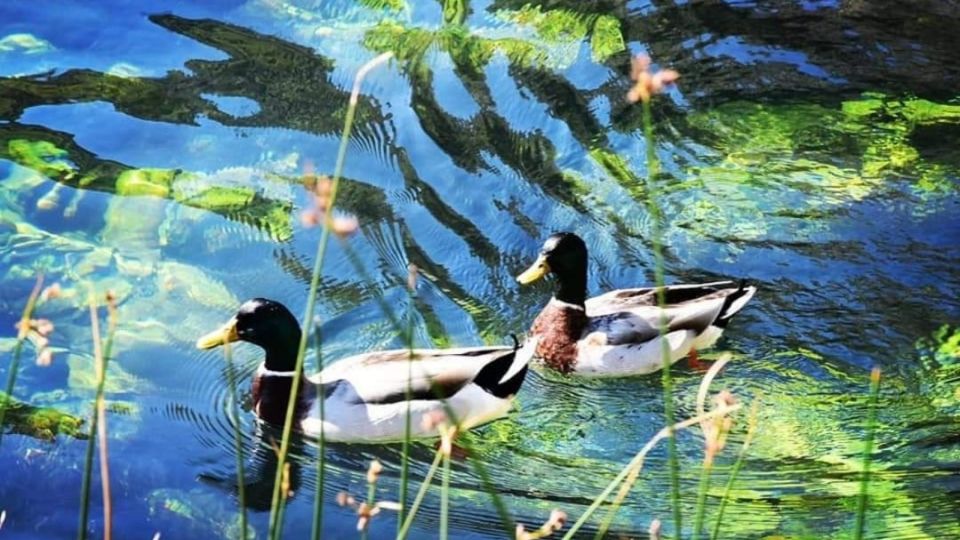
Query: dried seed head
{"points": [[433, 419], [51, 292], [43, 326], [309, 218], [647, 84], [344, 499], [412, 277], [45, 357], [655, 529], [557, 520], [520, 533], [344, 226], [374, 471]]}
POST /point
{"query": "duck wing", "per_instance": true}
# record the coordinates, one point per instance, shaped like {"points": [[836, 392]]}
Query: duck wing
{"points": [[384, 377], [628, 316]]}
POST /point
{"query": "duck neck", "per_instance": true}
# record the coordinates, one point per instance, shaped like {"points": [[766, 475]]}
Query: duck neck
{"points": [[282, 357], [573, 288], [271, 394]]}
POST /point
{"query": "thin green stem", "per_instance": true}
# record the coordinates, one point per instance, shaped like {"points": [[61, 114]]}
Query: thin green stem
{"points": [[653, 169], [405, 453], [630, 472], [237, 438], [321, 444], [371, 500], [702, 488], [867, 453], [477, 465], [445, 497], [408, 521], [15, 360], [277, 501], [97, 425], [751, 429]]}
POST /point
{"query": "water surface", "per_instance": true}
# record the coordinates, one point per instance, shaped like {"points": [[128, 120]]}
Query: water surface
{"points": [[809, 147]]}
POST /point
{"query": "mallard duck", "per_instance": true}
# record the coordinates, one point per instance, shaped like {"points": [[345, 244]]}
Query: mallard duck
{"points": [[617, 333], [365, 395]]}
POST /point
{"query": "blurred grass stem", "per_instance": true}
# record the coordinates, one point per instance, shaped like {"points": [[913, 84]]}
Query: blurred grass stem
{"points": [[751, 429], [629, 473], [237, 438], [277, 500], [656, 234], [867, 453], [7, 399], [321, 444]]}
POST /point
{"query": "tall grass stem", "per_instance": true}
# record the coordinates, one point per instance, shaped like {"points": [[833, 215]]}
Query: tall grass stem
{"points": [[237, 437], [421, 493], [751, 429], [17, 349], [321, 443], [656, 234], [867, 453], [630, 471], [277, 501]]}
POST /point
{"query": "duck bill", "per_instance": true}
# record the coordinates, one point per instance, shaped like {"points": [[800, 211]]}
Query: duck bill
{"points": [[223, 335], [536, 271]]}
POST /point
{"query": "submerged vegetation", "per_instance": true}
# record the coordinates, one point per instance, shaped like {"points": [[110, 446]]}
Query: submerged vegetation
{"points": [[487, 126]]}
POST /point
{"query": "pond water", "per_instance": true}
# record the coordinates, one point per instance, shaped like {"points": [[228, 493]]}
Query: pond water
{"points": [[812, 148]]}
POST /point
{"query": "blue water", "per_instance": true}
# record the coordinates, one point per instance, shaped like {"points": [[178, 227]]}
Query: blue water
{"points": [[830, 184]]}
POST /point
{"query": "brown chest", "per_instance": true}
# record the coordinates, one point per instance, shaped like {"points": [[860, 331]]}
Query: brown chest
{"points": [[559, 329]]}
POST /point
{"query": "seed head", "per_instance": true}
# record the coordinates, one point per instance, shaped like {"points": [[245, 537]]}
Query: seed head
{"points": [[646, 84]]}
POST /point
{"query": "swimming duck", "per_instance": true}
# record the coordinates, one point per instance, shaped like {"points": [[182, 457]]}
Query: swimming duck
{"points": [[617, 333], [365, 395]]}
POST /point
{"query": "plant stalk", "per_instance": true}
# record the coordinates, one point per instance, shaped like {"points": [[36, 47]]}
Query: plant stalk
{"points": [[867, 453]]}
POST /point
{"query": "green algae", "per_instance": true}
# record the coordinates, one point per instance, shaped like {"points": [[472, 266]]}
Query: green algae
{"points": [[154, 182], [44, 423], [198, 512]]}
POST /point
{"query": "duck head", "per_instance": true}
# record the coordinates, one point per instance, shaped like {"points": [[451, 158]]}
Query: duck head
{"points": [[564, 255], [265, 323]]}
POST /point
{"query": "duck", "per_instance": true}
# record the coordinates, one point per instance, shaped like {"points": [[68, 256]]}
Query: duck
{"points": [[365, 396], [617, 333]]}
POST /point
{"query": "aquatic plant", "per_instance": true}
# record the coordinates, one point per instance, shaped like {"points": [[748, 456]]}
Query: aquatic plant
{"points": [[98, 422], [237, 437], [867, 453], [278, 501], [646, 85], [23, 329]]}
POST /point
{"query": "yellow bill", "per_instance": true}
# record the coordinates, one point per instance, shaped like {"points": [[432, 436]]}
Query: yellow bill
{"points": [[225, 334], [536, 271]]}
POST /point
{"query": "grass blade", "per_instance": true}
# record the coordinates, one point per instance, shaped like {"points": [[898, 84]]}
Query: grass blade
{"points": [[277, 501], [237, 438], [867, 453], [751, 429], [15, 360], [321, 445]]}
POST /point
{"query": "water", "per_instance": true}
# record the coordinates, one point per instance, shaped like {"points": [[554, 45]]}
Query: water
{"points": [[809, 147]]}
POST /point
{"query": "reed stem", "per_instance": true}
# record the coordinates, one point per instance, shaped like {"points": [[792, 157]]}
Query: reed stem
{"points": [[321, 444], [751, 429], [237, 438], [867, 453], [415, 506], [629, 473], [277, 501], [656, 234], [15, 360], [445, 497]]}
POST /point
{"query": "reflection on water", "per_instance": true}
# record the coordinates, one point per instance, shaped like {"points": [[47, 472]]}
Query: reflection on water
{"points": [[158, 155]]}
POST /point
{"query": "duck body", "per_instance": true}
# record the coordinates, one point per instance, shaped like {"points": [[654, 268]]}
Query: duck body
{"points": [[618, 333], [366, 397]]}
